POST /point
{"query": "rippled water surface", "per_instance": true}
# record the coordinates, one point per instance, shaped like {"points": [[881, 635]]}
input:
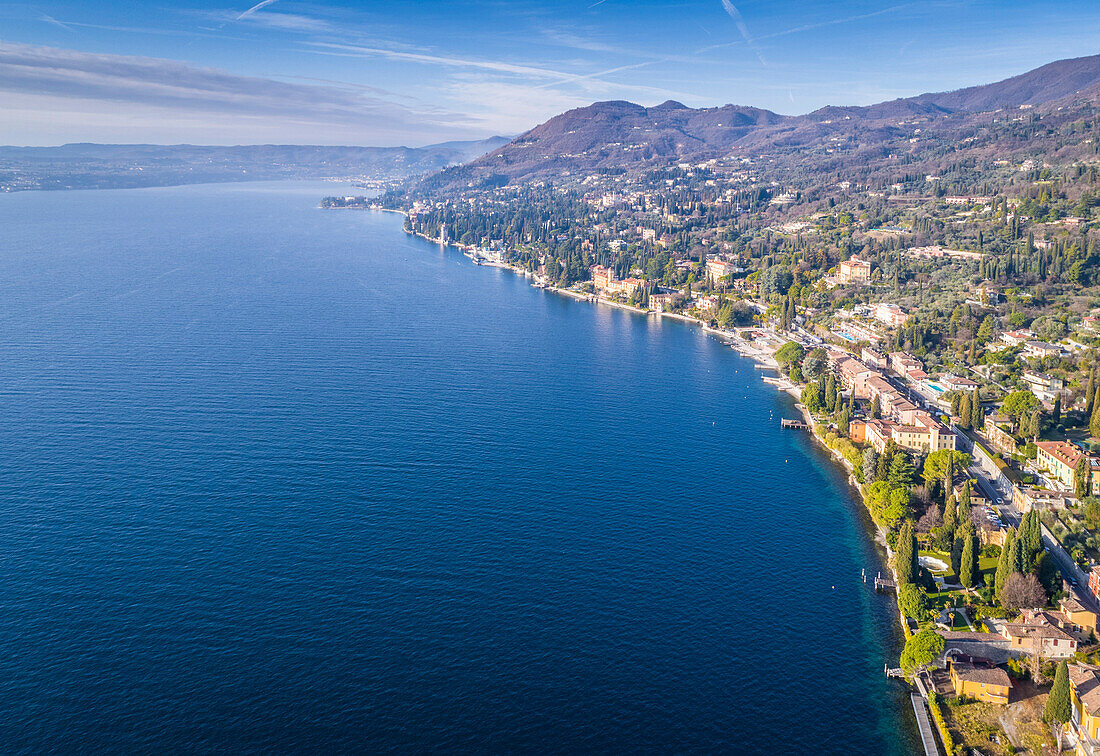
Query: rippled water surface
{"points": [[278, 478]]}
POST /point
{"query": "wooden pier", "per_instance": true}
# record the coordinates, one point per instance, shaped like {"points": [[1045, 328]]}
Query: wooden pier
{"points": [[924, 724], [794, 424]]}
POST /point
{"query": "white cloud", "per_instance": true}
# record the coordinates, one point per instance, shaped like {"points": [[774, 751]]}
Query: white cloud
{"points": [[97, 92]]}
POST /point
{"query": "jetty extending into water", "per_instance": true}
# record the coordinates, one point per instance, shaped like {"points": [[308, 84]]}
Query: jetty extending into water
{"points": [[793, 424]]}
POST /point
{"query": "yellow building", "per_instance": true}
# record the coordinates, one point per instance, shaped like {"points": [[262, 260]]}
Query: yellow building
{"points": [[1060, 459], [1084, 689], [989, 684], [854, 271], [1076, 613]]}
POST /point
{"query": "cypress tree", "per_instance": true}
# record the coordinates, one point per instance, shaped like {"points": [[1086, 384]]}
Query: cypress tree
{"points": [[1081, 478], [905, 558], [1056, 413], [1004, 564], [968, 563], [950, 514], [957, 545], [977, 418], [1059, 707], [1094, 420], [964, 498], [964, 411], [1089, 394], [1019, 554]]}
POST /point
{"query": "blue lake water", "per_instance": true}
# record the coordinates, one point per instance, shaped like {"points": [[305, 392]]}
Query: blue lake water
{"points": [[278, 478]]}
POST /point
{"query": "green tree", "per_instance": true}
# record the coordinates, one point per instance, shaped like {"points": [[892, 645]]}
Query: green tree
{"points": [[913, 601], [1018, 405], [1059, 708], [1094, 419], [968, 563], [1005, 563], [901, 473], [985, 330], [870, 465], [966, 415], [876, 409], [1031, 537], [813, 397], [1089, 393], [977, 414], [1081, 475], [921, 649], [905, 557], [1032, 427], [937, 463], [950, 514], [843, 422], [1056, 413], [789, 354]]}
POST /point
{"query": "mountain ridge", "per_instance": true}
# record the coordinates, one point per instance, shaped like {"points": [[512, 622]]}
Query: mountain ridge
{"points": [[619, 134]]}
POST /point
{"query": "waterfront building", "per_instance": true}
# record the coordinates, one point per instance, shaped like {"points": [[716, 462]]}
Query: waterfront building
{"points": [[602, 276], [903, 363], [984, 683], [854, 376], [957, 383], [717, 269], [925, 434]]}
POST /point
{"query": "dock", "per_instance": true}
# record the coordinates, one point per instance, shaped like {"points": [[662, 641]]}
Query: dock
{"points": [[793, 424], [885, 586], [924, 724]]}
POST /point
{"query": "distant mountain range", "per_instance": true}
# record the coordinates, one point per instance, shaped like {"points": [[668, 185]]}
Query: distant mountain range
{"points": [[83, 166], [623, 135]]}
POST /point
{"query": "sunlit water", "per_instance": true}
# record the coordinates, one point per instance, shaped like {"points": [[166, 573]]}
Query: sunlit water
{"points": [[278, 478]]}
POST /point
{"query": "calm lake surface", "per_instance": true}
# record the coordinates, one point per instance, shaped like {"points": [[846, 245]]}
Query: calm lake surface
{"points": [[283, 479]]}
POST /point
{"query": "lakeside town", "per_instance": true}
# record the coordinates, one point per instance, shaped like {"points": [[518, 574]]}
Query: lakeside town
{"points": [[928, 287], [982, 498], [940, 331]]}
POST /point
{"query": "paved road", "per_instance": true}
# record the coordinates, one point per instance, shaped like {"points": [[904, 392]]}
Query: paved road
{"points": [[1010, 515]]}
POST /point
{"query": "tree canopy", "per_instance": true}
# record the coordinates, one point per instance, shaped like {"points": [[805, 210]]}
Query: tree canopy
{"points": [[921, 649]]}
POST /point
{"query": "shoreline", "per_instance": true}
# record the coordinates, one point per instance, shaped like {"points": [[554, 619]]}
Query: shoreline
{"points": [[764, 361]]}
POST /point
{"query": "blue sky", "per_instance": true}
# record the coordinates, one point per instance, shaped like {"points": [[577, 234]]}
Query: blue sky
{"points": [[387, 73]]}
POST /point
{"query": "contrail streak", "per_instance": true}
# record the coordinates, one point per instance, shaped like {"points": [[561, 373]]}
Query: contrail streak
{"points": [[742, 27], [256, 7]]}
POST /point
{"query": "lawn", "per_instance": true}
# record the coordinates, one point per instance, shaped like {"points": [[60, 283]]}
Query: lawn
{"points": [[986, 565]]}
